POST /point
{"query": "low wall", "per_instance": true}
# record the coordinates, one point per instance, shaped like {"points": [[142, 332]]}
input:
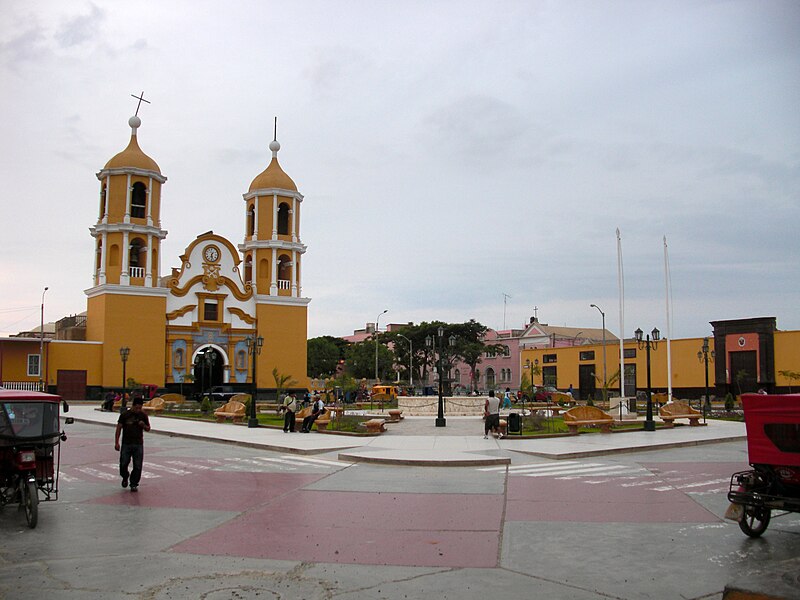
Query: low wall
{"points": [[454, 406]]}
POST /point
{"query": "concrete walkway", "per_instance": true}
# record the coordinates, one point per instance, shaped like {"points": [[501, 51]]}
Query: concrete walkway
{"points": [[417, 441]]}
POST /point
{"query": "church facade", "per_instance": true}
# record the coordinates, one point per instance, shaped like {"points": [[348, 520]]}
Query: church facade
{"points": [[226, 311]]}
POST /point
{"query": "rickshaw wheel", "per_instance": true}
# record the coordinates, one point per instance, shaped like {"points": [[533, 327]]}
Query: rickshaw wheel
{"points": [[30, 502], [755, 520]]}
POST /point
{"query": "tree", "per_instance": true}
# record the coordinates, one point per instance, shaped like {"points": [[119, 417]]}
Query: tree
{"points": [[792, 376], [324, 354], [360, 359], [470, 347], [608, 384], [282, 381]]}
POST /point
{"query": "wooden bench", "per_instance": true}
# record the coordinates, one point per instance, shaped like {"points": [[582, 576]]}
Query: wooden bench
{"points": [[233, 410], [677, 409], [155, 405], [375, 425], [587, 416]]}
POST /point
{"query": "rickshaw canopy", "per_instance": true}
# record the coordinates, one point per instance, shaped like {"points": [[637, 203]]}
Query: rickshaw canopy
{"points": [[28, 417], [773, 428]]}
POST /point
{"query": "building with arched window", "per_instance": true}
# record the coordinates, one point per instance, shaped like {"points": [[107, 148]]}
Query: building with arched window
{"points": [[192, 324]]}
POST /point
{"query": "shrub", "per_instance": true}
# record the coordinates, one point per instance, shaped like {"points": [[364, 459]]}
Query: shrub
{"points": [[205, 405], [728, 402]]}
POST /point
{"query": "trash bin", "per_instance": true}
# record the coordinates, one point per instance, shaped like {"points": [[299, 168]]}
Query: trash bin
{"points": [[514, 423]]}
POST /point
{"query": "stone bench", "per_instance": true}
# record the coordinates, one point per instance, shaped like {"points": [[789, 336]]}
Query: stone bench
{"points": [[233, 410], [395, 416], [587, 416], [678, 409], [375, 425], [156, 405]]}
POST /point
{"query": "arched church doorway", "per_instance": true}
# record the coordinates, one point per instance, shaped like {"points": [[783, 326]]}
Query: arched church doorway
{"points": [[209, 366]]}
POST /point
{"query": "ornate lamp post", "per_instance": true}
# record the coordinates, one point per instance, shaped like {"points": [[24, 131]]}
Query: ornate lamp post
{"points": [[124, 352], [41, 347], [605, 379], [703, 355], [377, 329], [649, 424], [254, 345], [431, 343], [410, 360]]}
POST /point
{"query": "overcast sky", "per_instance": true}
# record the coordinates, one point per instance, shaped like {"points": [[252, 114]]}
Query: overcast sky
{"points": [[449, 152]]}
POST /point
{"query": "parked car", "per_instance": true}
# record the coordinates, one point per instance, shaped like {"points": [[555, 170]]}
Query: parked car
{"points": [[544, 393], [221, 393]]}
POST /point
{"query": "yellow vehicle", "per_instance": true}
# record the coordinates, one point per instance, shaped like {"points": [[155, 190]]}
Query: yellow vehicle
{"points": [[384, 393]]}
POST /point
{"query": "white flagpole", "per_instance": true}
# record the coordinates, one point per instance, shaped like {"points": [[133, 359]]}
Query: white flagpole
{"points": [[668, 288], [621, 278]]}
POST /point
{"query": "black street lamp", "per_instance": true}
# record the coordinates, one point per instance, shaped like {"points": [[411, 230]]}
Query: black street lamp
{"points": [[254, 345], [649, 424], [605, 378], [430, 343], [703, 355], [123, 354]]}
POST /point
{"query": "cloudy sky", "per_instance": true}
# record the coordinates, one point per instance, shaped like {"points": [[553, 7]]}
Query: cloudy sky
{"points": [[449, 152]]}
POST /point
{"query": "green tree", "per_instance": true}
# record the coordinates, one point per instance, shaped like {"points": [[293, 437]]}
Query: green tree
{"points": [[792, 376], [282, 381], [360, 359], [324, 354]]}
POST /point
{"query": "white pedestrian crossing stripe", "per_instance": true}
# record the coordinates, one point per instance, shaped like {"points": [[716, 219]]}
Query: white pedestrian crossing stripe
{"points": [[181, 468], [622, 475]]}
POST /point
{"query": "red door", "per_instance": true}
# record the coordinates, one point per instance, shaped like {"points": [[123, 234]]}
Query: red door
{"points": [[71, 384]]}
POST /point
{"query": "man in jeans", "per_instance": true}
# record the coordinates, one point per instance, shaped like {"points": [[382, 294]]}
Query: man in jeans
{"points": [[132, 424]]}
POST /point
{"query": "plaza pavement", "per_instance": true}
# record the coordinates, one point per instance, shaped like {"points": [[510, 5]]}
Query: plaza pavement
{"points": [[417, 441], [329, 516]]}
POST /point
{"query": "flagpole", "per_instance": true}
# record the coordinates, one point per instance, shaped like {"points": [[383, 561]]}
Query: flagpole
{"points": [[668, 290], [621, 278]]}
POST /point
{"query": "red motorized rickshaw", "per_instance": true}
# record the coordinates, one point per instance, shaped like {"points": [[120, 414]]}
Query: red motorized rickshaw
{"points": [[30, 449], [773, 447]]}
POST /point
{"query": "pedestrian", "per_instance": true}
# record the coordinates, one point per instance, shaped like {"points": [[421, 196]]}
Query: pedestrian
{"points": [[131, 424], [108, 402], [290, 408], [569, 391], [507, 398], [317, 409], [491, 415]]}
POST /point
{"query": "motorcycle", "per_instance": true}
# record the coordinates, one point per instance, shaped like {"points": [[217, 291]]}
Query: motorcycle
{"points": [[30, 449], [773, 448]]}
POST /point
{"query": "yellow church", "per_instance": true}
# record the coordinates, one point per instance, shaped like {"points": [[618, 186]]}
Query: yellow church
{"points": [[224, 312]]}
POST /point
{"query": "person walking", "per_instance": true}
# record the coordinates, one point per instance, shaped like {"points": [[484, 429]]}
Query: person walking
{"points": [[131, 424], [491, 415], [290, 408], [507, 398]]}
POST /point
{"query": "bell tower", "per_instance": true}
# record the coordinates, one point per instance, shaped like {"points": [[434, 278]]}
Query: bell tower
{"points": [[126, 304], [272, 251]]}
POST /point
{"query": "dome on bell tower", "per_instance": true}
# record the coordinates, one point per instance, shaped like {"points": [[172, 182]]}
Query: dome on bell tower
{"points": [[273, 176], [132, 156]]}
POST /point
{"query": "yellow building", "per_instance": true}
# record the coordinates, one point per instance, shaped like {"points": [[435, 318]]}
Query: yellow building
{"points": [[744, 355], [194, 324]]}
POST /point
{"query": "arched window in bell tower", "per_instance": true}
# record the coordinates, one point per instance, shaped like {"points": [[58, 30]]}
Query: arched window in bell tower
{"points": [[251, 220], [283, 219], [138, 200], [103, 202], [248, 269], [284, 272], [137, 259]]}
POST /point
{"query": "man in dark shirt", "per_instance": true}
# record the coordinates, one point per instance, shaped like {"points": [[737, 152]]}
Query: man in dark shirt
{"points": [[131, 424]]}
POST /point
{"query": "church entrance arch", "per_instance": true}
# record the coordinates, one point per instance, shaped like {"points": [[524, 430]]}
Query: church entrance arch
{"points": [[209, 368]]}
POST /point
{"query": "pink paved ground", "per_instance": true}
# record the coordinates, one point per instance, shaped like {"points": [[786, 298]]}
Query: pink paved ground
{"points": [[447, 530], [278, 519]]}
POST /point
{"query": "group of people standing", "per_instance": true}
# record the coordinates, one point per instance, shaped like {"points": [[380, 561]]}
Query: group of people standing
{"points": [[290, 409]]}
